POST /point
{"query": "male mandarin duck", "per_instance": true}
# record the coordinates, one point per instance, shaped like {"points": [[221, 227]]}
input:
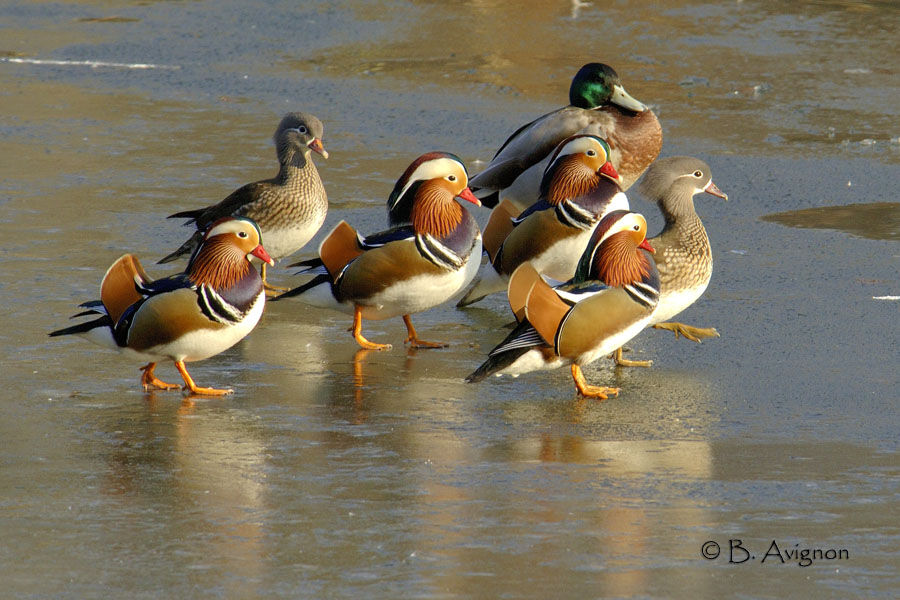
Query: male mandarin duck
{"points": [[683, 254], [579, 321], [431, 253], [598, 104], [579, 187], [191, 316], [289, 208]]}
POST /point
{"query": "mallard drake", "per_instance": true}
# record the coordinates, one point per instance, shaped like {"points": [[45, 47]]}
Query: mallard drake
{"points": [[579, 187], [579, 321], [598, 104], [430, 254], [289, 208], [683, 254], [191, 316]]}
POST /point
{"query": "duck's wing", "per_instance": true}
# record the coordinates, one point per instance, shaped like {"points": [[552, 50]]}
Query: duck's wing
{"points": [[498, 227], [121, 284], [528, 145]]}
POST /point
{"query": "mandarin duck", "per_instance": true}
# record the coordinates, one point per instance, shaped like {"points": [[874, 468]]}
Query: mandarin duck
{"points": [[579, 187], [289, 208], [683, 254], [598, 104], [430, 254], [191, 316], [583, 319]]}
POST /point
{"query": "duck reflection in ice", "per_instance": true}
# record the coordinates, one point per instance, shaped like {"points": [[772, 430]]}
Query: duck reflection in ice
{"points": [[202, 467]]}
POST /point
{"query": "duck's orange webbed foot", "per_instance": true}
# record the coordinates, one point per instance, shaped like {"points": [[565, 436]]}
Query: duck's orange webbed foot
{"points": [[189, 384], [358, 336], [414, 340], [624, 362], [591, 391], [695, 334], [150, 382]]}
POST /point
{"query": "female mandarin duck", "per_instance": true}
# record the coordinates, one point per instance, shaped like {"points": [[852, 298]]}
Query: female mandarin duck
{"points": [[432, 252], [683, 254], [191, 316], [579, 321], [579, 187], [289, 208], [598, 105]]}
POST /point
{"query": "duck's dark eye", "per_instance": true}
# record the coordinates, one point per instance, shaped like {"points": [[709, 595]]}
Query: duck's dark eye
{"points": [[302, 129], [242, 234], [451, 177], [698, 174], [637, 227], [591, 153]]}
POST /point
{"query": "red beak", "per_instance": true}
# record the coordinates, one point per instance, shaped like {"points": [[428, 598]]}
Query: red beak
{"points": [[260, 253], [646, 246], [610, 171], [467, 194], [316, 146]]}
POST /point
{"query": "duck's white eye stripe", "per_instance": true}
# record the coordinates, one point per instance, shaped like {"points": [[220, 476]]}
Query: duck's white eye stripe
{"points": [[430, 169]]}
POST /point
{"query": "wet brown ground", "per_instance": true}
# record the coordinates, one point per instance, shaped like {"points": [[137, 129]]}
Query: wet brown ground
{"points": [[336, 473]]}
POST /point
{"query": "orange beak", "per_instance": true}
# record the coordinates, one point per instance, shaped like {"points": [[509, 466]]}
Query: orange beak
{"points": [[713, 189], [467, 194], [610, 172], [646, 246], [260, 253], [316, 146]]}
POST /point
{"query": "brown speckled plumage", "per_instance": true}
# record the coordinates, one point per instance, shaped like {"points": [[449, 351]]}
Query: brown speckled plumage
{"points": [[683, 253], [290, 207], [684, 256]]}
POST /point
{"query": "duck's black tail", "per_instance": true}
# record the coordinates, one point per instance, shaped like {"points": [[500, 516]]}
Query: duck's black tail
{"points": [[103, 321], [309, 264], [193, 215], [317, 280], [519, 341]]}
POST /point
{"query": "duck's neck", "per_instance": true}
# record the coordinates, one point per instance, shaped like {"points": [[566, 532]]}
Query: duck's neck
{"points": [[618, 262], [570, 179], [598, 198], [678, 211], [220, 265], [294, 164], [434, 214]]}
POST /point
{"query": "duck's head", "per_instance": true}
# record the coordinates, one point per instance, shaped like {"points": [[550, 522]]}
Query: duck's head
{"points": [[614, 254], [576, 167], [223, 255], [301, 133], [425, 194], [597, 85], [675, 178]]}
